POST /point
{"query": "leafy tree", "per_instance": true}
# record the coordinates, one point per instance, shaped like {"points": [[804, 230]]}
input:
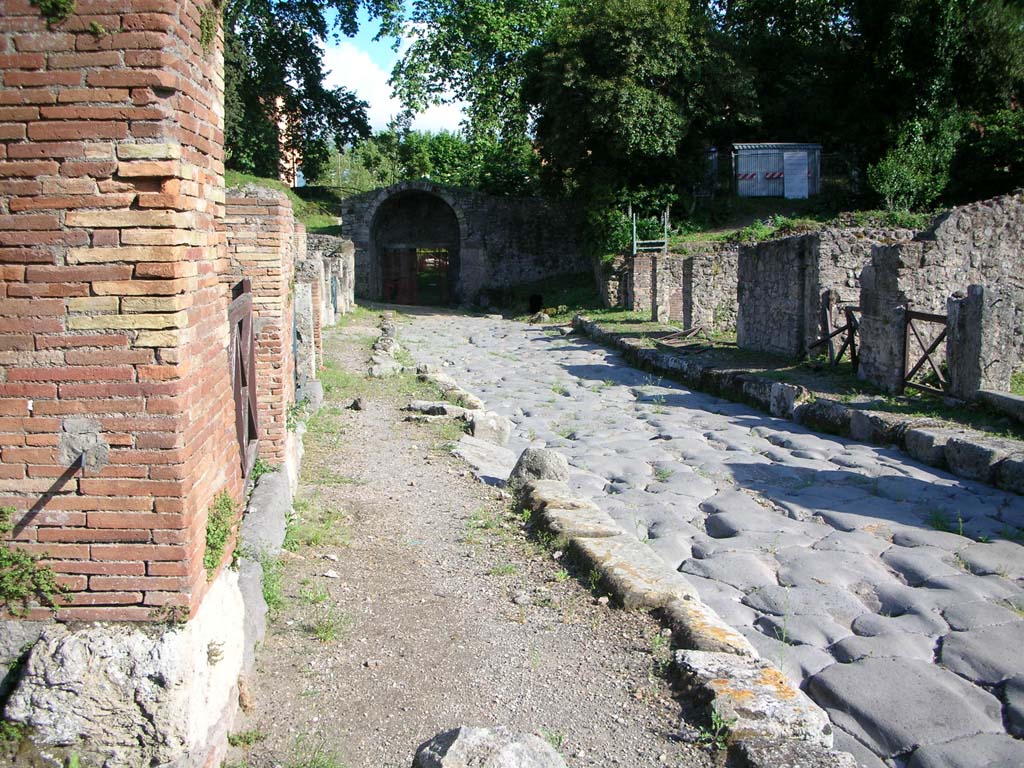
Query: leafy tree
{"points": [[275, 99], [474, 51], [620, 94]]}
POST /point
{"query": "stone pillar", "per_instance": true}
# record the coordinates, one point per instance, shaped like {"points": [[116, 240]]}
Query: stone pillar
{"points": [[260, 229], [305, 340], [979, 345], [883, 320], [118, 428]]}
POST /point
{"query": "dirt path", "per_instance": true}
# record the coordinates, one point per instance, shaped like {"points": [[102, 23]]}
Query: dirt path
{"points": [[436, 610]]}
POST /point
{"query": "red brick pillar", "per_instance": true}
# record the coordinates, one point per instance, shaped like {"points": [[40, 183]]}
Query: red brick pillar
{"points": [[112, 313], [260, 229]]}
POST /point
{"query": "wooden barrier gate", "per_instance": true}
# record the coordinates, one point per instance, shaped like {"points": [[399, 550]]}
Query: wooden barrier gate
{"points": [[243, 374]]}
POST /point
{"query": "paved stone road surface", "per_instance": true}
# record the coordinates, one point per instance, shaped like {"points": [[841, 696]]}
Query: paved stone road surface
{"points": [[892, 592]]}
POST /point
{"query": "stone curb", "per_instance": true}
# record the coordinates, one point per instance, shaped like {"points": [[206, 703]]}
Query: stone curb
{"points": [[771, 723], [961, 451]]}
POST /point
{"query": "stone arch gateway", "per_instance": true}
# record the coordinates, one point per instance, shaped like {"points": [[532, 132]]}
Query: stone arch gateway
{"points": [[420, 242], [415, 239]]}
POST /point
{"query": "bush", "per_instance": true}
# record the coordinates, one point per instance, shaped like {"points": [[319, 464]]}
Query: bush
{"points": [[916, 170]]}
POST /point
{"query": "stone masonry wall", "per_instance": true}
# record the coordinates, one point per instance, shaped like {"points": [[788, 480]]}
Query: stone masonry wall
{"points": [[782, 284], [770, 294], [504, 241], [977, 244], [260, 233], [692, 287], [709, 290], [112, 310]]}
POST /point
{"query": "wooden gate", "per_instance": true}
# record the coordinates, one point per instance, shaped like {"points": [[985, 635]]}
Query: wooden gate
{"points": [[243, 374], [914, 344], [847, 332]]}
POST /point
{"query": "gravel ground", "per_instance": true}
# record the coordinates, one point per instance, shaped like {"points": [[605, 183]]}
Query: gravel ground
{"points": [[419, 603]]}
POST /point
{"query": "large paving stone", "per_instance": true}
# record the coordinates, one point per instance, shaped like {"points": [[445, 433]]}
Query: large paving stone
{"points": [[979, 615], [919, 622], [1013, 695], [981, 751], [817, 631], [863, 757], [1004, 558], [908, 645], [985, 656], [803, 567], [817, 600], [744, 571], [786, 753], [895, 705], [860, 542], [928, 444], [918, 564], [976, 457]]}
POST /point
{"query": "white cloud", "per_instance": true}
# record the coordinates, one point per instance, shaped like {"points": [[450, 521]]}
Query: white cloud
{"points": [[351, 67]]}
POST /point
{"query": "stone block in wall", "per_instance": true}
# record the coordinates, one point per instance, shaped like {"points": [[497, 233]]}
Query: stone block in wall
{"points": [[979, 347], [770, 293]]}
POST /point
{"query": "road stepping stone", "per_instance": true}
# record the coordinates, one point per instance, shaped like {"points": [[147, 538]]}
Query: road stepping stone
{"points": [[892, 592]]}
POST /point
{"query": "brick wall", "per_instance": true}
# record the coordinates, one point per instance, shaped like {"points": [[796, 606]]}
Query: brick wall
{"points": [[260, 230], [112, 310]]}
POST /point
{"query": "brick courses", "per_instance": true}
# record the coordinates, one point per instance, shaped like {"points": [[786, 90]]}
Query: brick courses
{"points": [[263, 243], [112, 298]]}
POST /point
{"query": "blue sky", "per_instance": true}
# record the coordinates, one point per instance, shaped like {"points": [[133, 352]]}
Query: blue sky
{"points": [[363, 65]]}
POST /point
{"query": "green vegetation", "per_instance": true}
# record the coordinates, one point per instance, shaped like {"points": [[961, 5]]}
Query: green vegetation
{"points": [[329, 624], [313, 594], [246, 738], [554, 738], [209, 22], [273, 582], [11, 731], [317, 216], [312, 525], [220, 526], [716, 734], [505, 569], [55, 11], [23, 581], [260, 467]]}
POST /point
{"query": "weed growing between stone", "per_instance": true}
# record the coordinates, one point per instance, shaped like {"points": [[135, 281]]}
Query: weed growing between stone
{"points": [[273, 583], [220, 525], [23, 581], [260, 468], [716, 734]]}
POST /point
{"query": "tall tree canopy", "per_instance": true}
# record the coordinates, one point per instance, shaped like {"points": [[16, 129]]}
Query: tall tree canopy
{"points": [[275, 98]]}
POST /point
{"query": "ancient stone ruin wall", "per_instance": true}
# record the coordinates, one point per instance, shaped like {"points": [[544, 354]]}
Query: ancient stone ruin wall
{"points": [[338, 256], [503, 241], [977, 244], [711, 299], [112, 319], [782, 285], [261, 231]]}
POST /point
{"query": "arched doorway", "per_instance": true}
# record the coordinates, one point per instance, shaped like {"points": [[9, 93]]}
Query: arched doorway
{"points": [[414, 242]]}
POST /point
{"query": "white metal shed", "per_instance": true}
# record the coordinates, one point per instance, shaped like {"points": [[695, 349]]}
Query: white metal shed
{"points": [[776, 169]]}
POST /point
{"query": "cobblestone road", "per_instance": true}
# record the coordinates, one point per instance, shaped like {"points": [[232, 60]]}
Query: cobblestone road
{"points": [[891, 592]]}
